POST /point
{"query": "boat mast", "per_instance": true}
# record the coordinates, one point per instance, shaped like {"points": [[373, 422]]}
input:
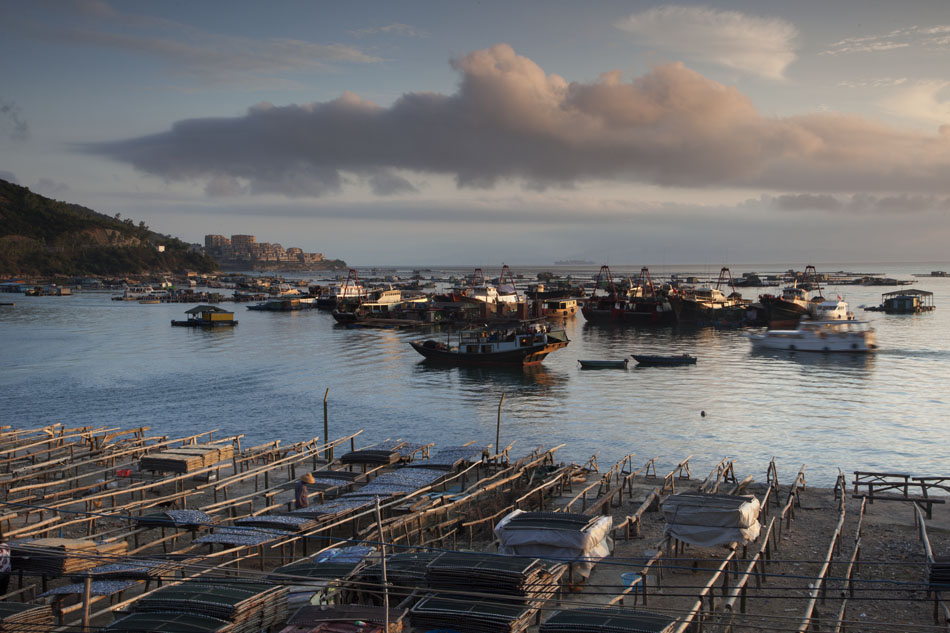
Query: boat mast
{"points": [[722, 274], [511, 279], [645, 276], [814, 276], [605, 271]]}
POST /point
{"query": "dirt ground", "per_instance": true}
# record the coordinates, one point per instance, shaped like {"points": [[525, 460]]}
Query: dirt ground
{"points": [[889, 581]]}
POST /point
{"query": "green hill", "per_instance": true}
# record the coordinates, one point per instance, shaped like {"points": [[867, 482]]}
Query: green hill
{"points": [[41, 236]]}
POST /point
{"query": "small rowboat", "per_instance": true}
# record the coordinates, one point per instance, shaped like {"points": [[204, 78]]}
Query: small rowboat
{"points": [[663, 361], [604, 364]]}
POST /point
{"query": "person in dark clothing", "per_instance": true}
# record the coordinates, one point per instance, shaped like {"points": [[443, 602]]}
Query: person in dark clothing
{"points": [[301, 495], [5, 568]]}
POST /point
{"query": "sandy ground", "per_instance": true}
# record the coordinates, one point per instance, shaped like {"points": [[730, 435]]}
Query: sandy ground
{"points": [[889, 587]]}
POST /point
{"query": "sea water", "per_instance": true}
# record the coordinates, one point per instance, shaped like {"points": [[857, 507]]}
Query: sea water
{"points": [[87, 360]]}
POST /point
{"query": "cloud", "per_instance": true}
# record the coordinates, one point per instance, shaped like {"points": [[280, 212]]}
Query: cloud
{"points": [[923, 100], [760, 46], [510, 121], [860, 203], [206, 57], [50, 187], [10, 118], [935, 37], [9, 176], [396, 28]]}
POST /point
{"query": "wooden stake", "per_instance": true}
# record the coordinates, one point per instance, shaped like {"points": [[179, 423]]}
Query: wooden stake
{"points": [[498, 426], [326, 431], [382, 553], [86, 597]]}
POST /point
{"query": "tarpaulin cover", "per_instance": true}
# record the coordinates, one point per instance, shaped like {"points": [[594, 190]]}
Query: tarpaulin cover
{"points": [[556, 535], [706, 520]]}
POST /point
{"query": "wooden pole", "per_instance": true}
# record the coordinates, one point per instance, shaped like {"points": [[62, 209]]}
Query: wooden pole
{"points": [[326, 431], [86, 598], [382, 553], [498, 426]]}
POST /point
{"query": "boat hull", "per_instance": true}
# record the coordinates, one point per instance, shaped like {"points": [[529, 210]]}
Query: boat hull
{"points": [[639, 313], [825, 337], [603, 364], [645, 360], [524, 356], [781, 313]]}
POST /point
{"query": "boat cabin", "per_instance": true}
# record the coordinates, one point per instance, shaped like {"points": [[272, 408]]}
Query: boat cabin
{"points": [[207, 315], [560, 307], [907, 301]]}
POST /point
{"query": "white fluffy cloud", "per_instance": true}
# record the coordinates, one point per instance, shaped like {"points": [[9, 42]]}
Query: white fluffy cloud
{"points": [[512, 121], [760, 46]]}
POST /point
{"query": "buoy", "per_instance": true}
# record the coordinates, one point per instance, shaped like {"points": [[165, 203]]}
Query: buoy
{"points": [[702, 413]]}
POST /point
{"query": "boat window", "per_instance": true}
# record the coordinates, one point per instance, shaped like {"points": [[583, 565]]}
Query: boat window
{"points": [[486, 349]]}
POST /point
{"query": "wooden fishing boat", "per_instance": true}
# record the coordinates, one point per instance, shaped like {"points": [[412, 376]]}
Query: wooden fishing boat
{"points": [[522, 344], [653, 360], [604, 364]]}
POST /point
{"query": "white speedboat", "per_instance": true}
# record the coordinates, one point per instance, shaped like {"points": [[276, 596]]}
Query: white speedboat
{"points": [[819, 336]]}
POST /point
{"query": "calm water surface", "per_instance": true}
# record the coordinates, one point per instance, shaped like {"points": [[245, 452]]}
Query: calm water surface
{"points": [[87, 360]]}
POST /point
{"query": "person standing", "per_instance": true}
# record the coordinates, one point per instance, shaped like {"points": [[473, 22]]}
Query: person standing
{"points": [[301, 494]]}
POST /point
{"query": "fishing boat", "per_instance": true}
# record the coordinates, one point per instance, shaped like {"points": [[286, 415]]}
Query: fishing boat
{"points": [[390, 305], [207, 316], [604, 364], [351, 290], [140, 293], [708, 305], [787, 310], [522, 344], [820, 336], [655, 360], [642, 304]]}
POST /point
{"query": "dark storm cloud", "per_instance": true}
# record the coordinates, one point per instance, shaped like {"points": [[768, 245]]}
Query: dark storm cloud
{"points": [[509, 120]]}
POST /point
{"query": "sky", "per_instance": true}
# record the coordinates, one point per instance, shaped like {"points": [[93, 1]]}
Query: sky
{"points": [[455, 133]]}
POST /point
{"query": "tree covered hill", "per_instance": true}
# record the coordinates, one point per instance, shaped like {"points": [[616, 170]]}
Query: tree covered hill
{"points": [[41, 236]]}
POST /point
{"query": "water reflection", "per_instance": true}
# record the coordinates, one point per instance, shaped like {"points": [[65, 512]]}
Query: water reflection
{"points": [[864, 363], [498, 378]]}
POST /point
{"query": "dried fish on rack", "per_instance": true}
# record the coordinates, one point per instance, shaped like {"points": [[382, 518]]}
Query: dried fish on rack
{"points": [[190, 519], [380, 454], [98, 587], [449, 457], [286, 522], [232, 536]]}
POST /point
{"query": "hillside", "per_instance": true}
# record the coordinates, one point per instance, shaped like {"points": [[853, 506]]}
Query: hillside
{"points": [[41, 236]]}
